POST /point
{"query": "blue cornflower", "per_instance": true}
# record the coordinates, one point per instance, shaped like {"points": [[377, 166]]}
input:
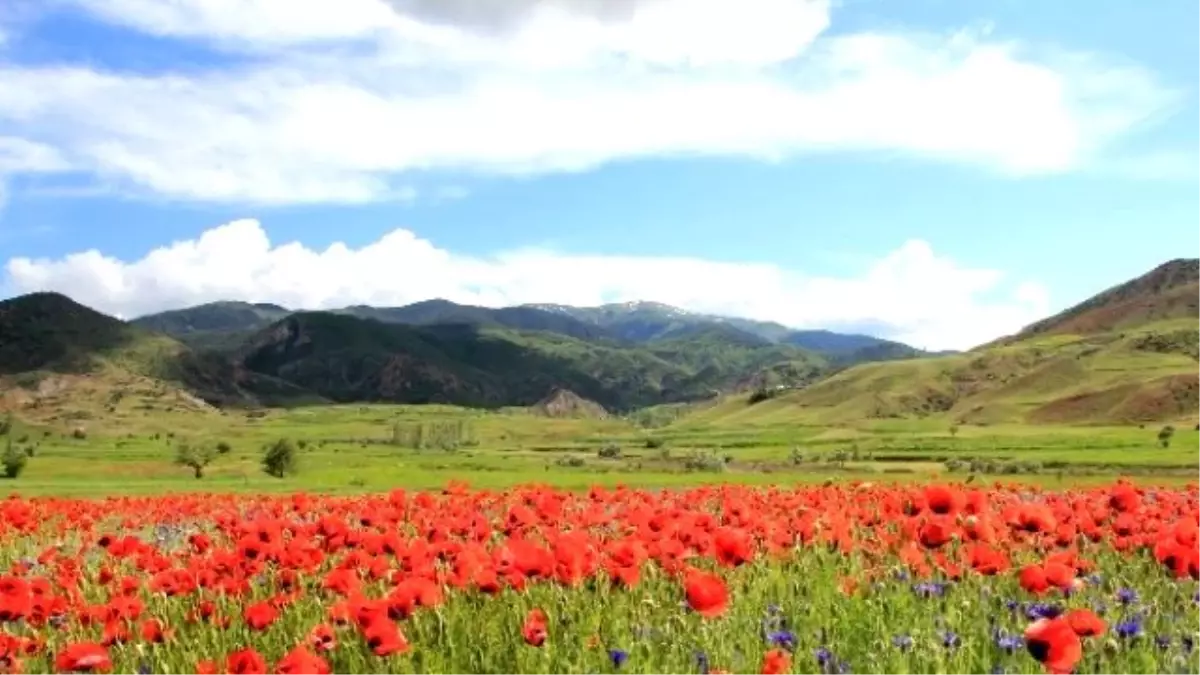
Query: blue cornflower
{"points": [[929, 589], [1130, 628], [1042, 610], [1010, 644], [901, 575], [902, 642], [1011, 605], [618, 657], [1127, 596], [950, 639], [1099, 608], [783, 638], [1094, 579], [702, 662], [1163, 642]]}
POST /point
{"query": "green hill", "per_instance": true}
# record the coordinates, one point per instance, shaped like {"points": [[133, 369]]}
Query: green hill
{"points": [[48, 335], [314, 356], [51, 332], [346, 358], [1127, 355]]}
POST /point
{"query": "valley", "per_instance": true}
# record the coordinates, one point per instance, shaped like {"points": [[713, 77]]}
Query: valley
{"points": [[637, 395]]}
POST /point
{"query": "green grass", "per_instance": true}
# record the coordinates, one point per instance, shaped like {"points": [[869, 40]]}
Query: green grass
{"points": [[348, 449]]}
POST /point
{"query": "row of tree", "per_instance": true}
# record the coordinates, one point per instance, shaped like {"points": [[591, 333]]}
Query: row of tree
{"points": [[450, 435]]}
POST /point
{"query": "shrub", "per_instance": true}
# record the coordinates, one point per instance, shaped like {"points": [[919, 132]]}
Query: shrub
{"points": [[610, 451], [280, 458], [224, 448], [654, 443], [1165, 435], [570, 462], [705, 461], [761, 394], [956, 465], [14, 460], [797, 456]]}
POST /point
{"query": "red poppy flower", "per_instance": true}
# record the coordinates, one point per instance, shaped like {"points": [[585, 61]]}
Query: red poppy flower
{"points": [[534, 628], [246, 661], [1086, 623], [83, 657], [300, 661], [1055, 644], [260, 616], [775, 661], [706, 593]]}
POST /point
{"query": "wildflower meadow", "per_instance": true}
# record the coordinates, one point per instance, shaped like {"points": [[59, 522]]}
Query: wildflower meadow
{"points": [[842, 578]]}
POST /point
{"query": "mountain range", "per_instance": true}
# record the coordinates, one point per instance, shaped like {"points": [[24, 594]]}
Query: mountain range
{"points": [[621, 356]]}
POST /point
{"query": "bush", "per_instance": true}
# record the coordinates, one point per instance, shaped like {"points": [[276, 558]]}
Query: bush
{"points": [[570, 462], [705, 461], [761, 394], [14, 460], [956, 465], [610, 451], [1165, 435], [224, 448], [280, 458], [79, 434], [654, 443]]}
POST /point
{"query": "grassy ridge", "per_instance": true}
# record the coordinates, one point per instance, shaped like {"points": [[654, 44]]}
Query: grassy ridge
{"points": [[1143, 375]]}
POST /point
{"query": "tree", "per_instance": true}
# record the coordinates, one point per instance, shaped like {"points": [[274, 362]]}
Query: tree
{"points": [[1165, 435], [195, 457], [280, 458], [953, 430], [14, 460], [6, 424]]}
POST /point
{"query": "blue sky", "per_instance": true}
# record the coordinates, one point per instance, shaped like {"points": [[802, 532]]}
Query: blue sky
{"points": [[936, 171]]}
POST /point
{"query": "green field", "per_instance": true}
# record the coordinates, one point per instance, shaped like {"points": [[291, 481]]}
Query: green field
{"points": [[354, 448]]}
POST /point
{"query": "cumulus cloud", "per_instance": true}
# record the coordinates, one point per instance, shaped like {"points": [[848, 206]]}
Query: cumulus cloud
{"points": [[345, 101], [912, 294]]}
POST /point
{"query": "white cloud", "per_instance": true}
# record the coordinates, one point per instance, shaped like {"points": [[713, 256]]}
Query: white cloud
{"points": [[343, 101], [926, 300]]}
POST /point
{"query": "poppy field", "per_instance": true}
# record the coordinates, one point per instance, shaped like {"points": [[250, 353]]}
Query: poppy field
{"points": [[838, 578]]}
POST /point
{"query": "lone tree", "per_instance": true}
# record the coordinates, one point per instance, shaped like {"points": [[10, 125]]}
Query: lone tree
{"points": [[195, 457], [1165, 435], [280, 458]]}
